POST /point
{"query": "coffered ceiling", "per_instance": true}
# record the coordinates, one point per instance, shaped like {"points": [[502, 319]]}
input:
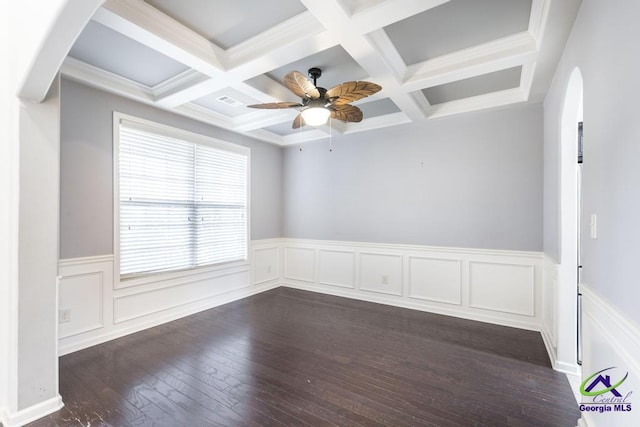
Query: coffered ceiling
{"points": [[209, 59]]}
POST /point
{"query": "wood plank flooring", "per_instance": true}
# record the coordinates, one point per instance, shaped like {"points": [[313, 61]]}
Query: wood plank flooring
{"points": [[289, 357]]}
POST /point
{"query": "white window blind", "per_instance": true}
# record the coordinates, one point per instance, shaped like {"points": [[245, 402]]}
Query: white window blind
{"points": [[182, 204]]}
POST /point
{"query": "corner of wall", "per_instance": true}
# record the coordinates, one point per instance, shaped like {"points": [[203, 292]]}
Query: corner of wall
{"points": [[102, 311], [32, 413]]}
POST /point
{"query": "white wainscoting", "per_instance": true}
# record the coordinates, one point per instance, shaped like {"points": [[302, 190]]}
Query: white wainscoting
{"points": [[502, 287], [549, 328], [100, 312], [610, 339]]}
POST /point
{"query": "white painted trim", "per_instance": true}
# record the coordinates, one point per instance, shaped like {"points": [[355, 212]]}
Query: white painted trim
{"points": [[404, 247], [538, 19], [610, 338], [176, 83], [43, 68], [82, 72], [480, 102], [149, 26], [32, 413], [84, 335], [397, 301], [90, 260], [150, 290], [191, 137], [622, 334], [295, 29], [187, 310], [378, 14], [326, 24], [314, 248], [507, 52], [396, 294]]}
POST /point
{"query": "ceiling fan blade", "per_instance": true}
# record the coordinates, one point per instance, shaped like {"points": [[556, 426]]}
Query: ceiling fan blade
{"points": [[297, 122], [351, 91], [300, 85], [275, 105], [346, 113]]}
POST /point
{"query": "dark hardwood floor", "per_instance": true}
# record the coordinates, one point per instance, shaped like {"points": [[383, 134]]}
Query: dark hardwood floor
{"points": [[289, 357]]}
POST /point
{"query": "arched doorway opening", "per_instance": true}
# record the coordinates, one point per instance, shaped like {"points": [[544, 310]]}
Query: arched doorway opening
{"points": [[568, 315]]}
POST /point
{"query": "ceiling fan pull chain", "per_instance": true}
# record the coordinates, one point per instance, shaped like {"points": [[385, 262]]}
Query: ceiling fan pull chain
{"points": [[300, 135], [330, 136]]}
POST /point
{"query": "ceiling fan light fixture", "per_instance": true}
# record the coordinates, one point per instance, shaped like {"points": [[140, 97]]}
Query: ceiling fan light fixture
{"points": [[316, 116]]}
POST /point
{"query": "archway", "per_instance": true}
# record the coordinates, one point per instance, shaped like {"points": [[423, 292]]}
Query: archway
{"points": [[567, 311]]}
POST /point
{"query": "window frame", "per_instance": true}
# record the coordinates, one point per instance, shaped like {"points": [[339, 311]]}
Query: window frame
{"points": [[198, 272]]}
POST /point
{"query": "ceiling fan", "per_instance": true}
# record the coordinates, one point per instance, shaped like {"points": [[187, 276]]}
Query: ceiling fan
{"points": [[318, 103]]}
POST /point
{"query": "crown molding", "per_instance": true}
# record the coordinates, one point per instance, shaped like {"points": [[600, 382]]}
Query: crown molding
{"points": [[480, 102], [508, 52], [105, 80]]}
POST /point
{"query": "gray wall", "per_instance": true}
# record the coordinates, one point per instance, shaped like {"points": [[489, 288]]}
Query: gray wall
{"points": [[603, 45], [86, 169], [467, 181]]}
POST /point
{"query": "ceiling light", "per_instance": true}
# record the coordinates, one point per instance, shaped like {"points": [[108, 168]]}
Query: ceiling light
{"points": [[316, 116]]}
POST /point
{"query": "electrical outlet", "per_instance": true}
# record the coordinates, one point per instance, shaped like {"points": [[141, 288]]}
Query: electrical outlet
{"points": [[385, 279], [64, 315]]}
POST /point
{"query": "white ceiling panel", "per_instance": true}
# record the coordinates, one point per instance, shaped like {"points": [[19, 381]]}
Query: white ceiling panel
{"points": [[431, 57], [456, 25], [229, 22], [378, 107], [473, 86], [106, 49]]}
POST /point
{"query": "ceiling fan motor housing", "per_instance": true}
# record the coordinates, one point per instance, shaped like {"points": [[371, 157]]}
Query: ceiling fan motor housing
{"points": [[315, 73]]}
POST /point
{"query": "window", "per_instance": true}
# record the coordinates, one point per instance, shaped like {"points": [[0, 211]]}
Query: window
{"points": [[182, 199]]}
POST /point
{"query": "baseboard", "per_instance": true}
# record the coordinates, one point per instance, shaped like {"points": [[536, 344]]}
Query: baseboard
{"points": [[403, 303], [495, 286], [582, 423], [32, 413], [565, 368], [548, 343]]}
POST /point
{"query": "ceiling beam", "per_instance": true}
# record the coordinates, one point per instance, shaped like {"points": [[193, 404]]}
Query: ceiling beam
{"points": [[152, 28], [480, 102], [365, 52], [508, 52], [380, 14]]}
